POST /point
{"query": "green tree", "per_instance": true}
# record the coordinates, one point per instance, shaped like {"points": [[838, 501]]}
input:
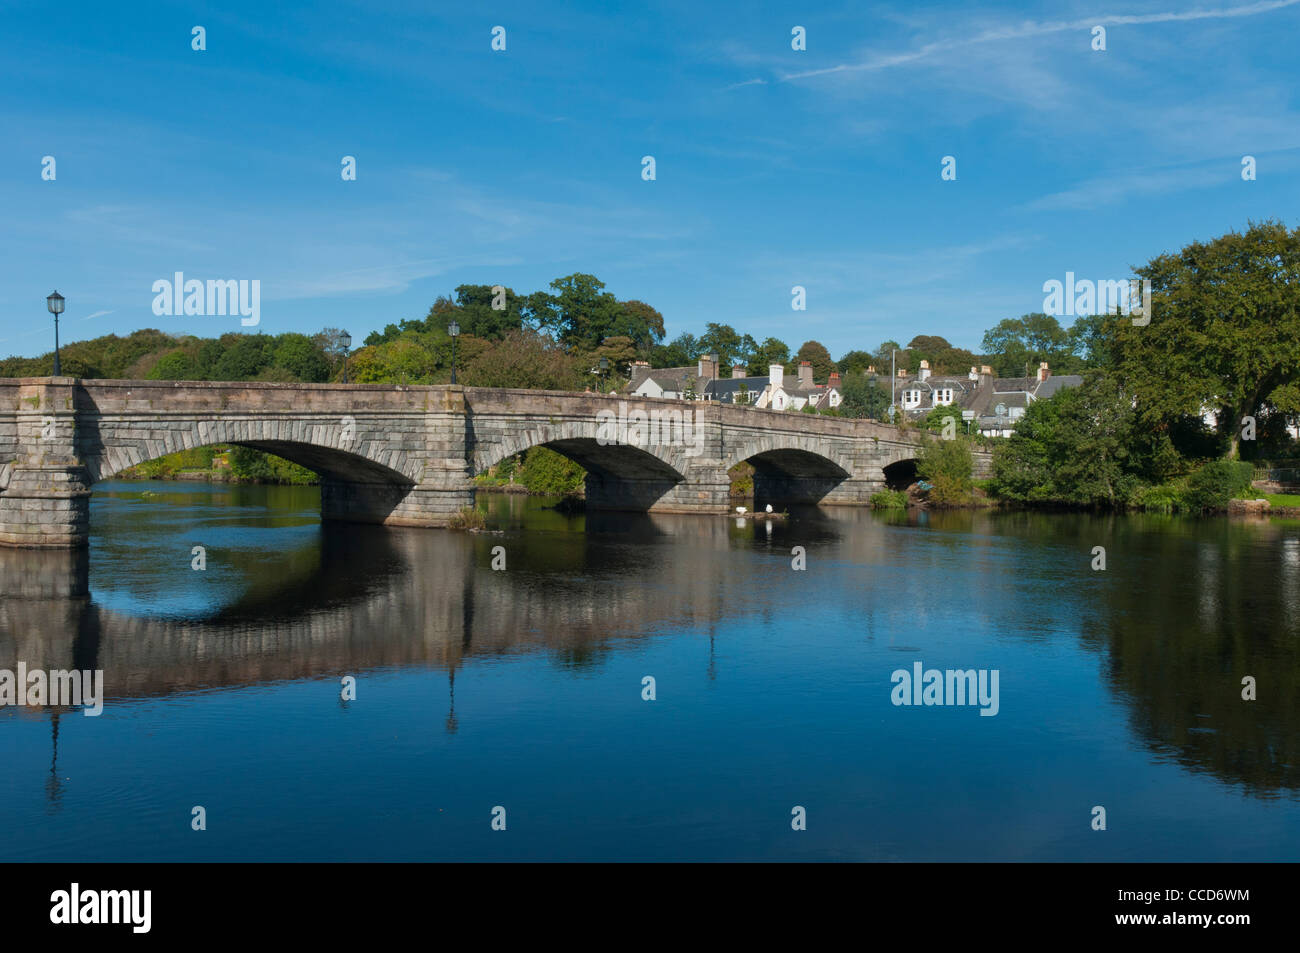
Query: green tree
{"points": [[545, 471], [644, 324], [730, 345], [1016, 346], [947, 466], [244, 357], [943, 357], [525, 359], [175, 365], [857, 362], [816, 354], [681, 351], [863, 398], [771, 351], [1224, 330], [1082, 446], [302, 357], [580, 313], [936, 421]]}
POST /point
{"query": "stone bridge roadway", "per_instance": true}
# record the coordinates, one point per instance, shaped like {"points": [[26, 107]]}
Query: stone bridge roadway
{"points": [[407, 455]]}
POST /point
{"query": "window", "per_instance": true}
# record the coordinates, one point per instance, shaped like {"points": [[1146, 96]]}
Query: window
{"points": [[943, 397], [911, 398]]}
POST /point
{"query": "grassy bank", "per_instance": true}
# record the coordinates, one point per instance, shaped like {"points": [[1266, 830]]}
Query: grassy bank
{"points": [[223, 464]]}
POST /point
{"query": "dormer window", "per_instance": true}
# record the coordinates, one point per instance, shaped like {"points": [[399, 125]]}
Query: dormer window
{"points": [[943, 397], [912, 398]]}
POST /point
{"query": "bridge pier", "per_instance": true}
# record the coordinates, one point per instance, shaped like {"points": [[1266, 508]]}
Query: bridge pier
{"points": [[392, 504], [44, 506], [705, 490], [44, 489]]}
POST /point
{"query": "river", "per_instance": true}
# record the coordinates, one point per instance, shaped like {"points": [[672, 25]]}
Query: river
{"points": [[520, 692]]}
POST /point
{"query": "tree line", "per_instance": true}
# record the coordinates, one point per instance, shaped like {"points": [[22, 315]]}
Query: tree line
{"points": [[551, 339], [1223, 336]]}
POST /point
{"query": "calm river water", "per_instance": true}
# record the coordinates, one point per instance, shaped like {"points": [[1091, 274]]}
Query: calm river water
{"points": [[523, 688]]}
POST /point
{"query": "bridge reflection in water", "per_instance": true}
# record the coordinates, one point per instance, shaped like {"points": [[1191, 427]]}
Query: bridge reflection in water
{"points": [[1172, 645]]}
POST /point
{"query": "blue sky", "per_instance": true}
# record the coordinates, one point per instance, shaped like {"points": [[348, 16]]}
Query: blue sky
{"points": [[775, 168]]}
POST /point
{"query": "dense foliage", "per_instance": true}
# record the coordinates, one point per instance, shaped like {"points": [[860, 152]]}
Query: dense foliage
{"points": [[948, 466]]}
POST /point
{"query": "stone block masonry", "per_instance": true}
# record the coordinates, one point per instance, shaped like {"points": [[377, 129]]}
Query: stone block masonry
{"points": [[406, 456]]}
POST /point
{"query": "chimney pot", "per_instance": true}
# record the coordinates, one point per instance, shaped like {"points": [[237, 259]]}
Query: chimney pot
{"points": [[737, 371]]}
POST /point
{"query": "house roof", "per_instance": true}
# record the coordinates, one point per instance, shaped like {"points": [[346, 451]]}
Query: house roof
{"points": [[725, 388], [668, 378], [1054, 384]]}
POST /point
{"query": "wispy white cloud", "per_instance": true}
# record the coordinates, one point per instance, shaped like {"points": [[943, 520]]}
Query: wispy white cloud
{"points": [[1030, 28]]}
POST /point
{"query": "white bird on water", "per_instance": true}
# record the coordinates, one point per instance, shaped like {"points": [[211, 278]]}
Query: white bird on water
{"points": [[740, 509]]}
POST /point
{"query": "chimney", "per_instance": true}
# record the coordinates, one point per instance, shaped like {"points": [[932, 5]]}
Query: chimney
{"points": [[902, 372], [925, 370], [776, 375], [986, 375], [737, 371], [871, 368], [709, 366], [640, 363], [805, 374], [974, 374], [1043, 372], [834, 380]]}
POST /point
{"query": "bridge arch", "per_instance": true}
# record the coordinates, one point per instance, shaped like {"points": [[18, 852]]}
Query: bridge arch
{"points": [[620, 476], [584, 442], [792, 468], [334, 449]]}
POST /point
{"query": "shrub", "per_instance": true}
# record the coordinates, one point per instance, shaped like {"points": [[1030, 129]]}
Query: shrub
{"points": [[889, 500], [948, 491], [545, 471], [742, 479], [947, 466], [253, 466], [467, 517], [1165, 498], [1213, 485]]}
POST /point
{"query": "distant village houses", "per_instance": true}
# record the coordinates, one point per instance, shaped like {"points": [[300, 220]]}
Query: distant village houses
{"points": [[990, 405], [984, 403], [701, 381]]}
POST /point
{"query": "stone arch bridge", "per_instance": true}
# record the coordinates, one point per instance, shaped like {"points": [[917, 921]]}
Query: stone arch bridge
{"points": [[407, 455]]}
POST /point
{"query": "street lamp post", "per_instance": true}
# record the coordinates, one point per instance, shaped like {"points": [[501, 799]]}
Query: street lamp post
{"points": [[454, 330], [604, 367], [55, 303], [345, 340], [893, 380]]}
